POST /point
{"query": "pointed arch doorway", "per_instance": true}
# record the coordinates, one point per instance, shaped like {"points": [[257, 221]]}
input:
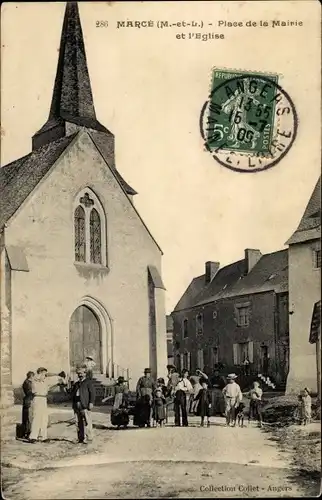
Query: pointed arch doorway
{"points": [[85, 338]]}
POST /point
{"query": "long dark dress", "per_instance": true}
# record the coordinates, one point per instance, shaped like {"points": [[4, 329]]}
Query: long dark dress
{"points": [[204, 400], [142, 411]]}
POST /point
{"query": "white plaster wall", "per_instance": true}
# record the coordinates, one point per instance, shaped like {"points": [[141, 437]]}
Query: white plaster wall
{"points": [[304, 291], [45, 298]]}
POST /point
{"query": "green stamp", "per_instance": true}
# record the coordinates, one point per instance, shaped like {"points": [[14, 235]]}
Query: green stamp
{"points": [[250, 116]]}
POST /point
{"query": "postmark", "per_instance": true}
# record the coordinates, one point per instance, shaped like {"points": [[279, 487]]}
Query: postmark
{"points": [[249, 121]]}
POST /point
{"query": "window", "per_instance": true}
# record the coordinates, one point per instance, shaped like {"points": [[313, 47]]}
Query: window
{"points": [[186, 360], [89, 229], [317, 258], [199, 324], [242, 351], [79, 222], [95, 236], [185, 328], [214, 356], [200, 363], [242, 315], [178, 362]]}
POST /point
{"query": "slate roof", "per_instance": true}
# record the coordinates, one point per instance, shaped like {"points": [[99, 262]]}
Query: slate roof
{"points": [[188, 298], [310, 225], [19, 178], [72, 98], [269, 274]]}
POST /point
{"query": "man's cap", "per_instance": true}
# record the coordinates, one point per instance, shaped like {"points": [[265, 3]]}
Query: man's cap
{"points": [[147, 370], [120, 379], [89, 357], [171, 367]]}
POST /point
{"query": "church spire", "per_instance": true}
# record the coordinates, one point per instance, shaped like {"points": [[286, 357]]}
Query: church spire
{"points": [[72, 94], [72, 100]]}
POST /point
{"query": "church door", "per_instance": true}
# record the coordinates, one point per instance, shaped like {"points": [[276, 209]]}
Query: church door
{"points": [[85, 338]]}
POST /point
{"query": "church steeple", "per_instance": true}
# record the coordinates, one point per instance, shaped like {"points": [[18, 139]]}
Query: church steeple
{"points": [[72, 103]]}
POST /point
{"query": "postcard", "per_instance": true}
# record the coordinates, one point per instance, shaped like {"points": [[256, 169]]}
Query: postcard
{"points": [[160, 242]]}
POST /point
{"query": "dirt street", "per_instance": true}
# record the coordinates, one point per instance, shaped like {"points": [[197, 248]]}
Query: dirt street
{"points": [[151, 463]]}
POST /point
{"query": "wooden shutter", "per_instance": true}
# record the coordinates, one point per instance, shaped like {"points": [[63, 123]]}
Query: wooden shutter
{"points": [[235, 352], [189, 361], [251, 351]]}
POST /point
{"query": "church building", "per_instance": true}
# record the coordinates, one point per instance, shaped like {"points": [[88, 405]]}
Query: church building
{"points": [[80, 271]]}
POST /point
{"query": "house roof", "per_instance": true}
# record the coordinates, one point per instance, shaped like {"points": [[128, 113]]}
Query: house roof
{"points": [[269, 274], [188, 298], [310, 225]]}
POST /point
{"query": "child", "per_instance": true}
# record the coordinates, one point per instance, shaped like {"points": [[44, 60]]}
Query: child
{"points": [[159, 413], [255, 409], [306, 406], [204, 403]]}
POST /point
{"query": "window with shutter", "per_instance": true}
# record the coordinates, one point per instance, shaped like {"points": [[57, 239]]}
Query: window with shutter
{"points": [[181, 362], [251, 352], [200, 361], [235, 353]]}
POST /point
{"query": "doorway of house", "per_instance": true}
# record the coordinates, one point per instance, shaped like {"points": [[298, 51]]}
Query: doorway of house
{"points": [[85, 338], [264, 359]]}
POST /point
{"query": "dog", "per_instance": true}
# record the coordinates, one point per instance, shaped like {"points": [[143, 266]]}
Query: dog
{"points": [[240, 414]]}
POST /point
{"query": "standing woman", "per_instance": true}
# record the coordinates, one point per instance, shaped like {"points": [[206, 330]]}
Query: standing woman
{"points": [[40, 389], [26, 404], [144, 394]]}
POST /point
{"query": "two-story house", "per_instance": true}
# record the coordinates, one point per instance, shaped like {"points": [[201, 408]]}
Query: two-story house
{"points": [[239, 311]]}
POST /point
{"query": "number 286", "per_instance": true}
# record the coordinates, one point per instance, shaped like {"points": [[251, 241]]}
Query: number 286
{"points": [[101, 24]]}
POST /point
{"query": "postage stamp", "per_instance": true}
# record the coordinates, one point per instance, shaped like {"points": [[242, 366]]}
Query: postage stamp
{"points": [[249, 122]]}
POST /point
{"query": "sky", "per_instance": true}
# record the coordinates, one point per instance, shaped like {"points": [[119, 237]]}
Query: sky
{"points": [[149, 88]]}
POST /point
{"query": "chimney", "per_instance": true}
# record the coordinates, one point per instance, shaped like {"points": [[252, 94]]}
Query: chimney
{"points": [[251, 258], [211, 270]]}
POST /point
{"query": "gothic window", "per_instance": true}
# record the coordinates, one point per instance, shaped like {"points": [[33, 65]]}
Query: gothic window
{"points": [[89, 229], [80, 246], [95, 237]]}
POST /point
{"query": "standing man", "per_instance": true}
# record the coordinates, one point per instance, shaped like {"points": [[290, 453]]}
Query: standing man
{"points": [[40, 389], [83, 399], [183, 390], [218, 382], [89, 364], [26, 404], [233, 396]]}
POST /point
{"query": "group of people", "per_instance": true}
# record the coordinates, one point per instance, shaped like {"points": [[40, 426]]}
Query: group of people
{"points": [[198, 394], [34, 407]]}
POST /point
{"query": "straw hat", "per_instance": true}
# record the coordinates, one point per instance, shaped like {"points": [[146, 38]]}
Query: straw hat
{"points": [[232, 376]]}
